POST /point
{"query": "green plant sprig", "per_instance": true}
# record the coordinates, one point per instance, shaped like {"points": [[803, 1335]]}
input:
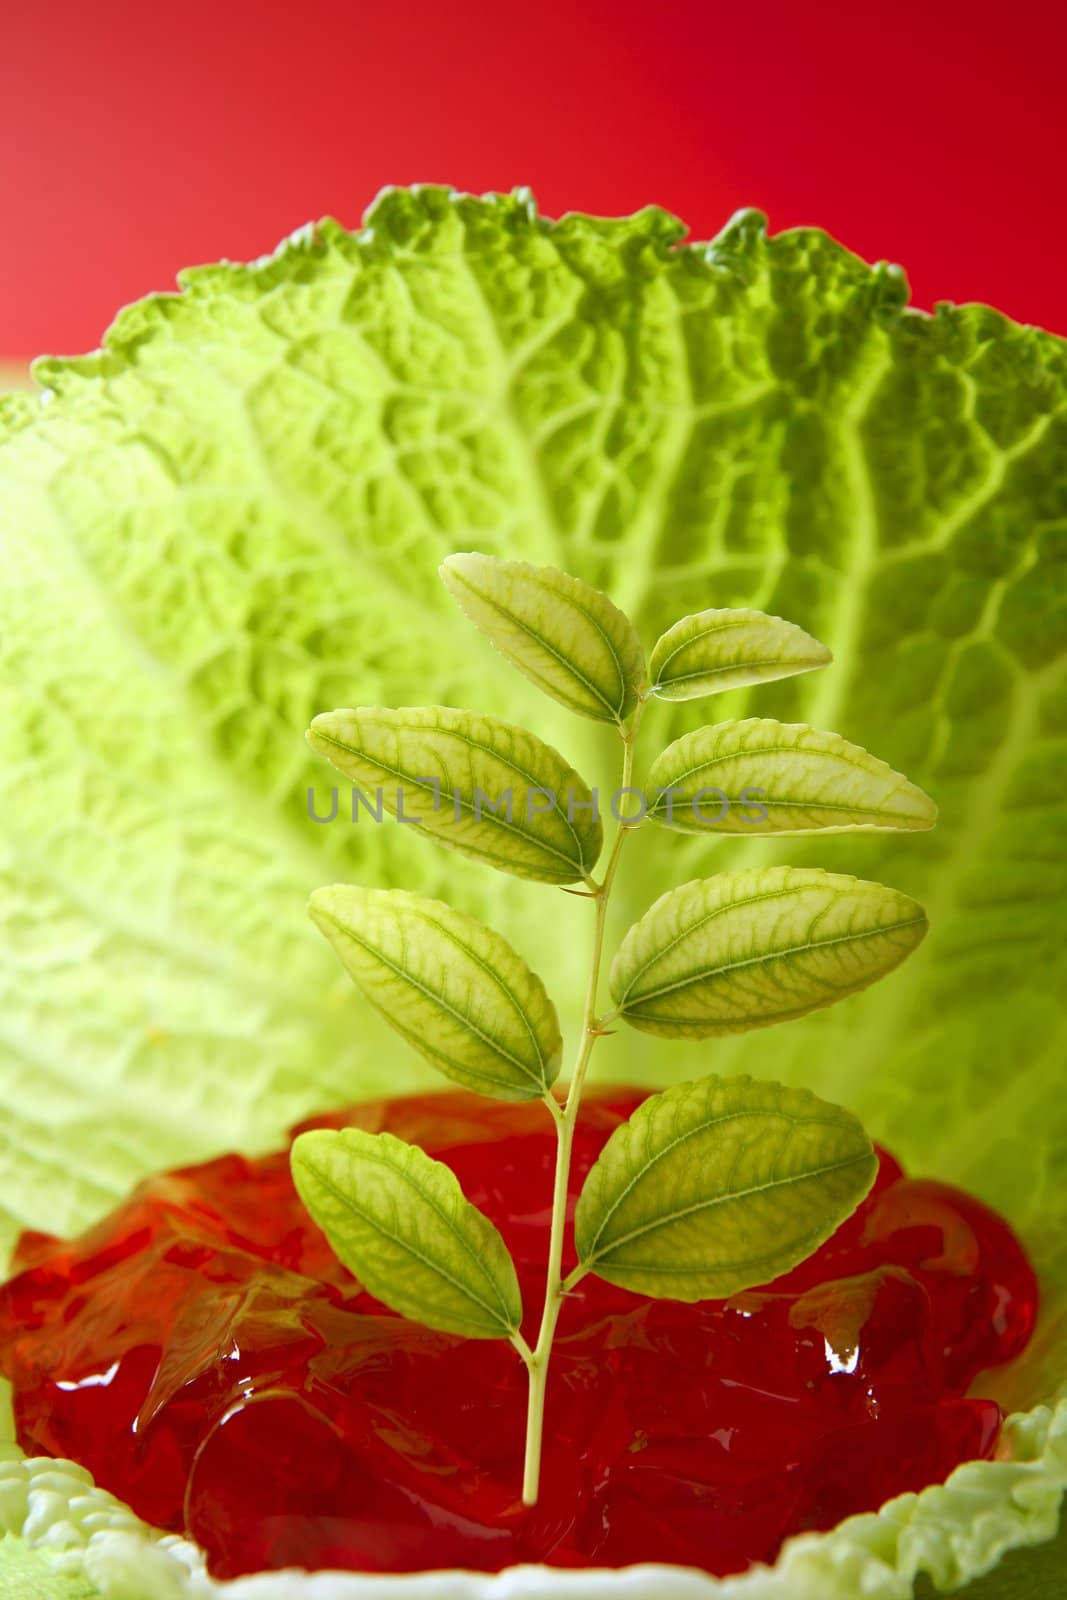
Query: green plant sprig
{"points": [[711, 1187]]}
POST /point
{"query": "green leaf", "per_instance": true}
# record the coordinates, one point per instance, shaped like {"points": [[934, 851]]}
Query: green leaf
{"points": [[399, 1221], [472, 783], [36, 1574], [719, 1185], [454, 989], [761, 776], [1026, 1574], [717, 650], [231, 516], [564, 635], [749, 948]]}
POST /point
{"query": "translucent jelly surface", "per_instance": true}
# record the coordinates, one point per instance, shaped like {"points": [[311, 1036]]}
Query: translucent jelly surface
{"points": [[206, 1357]]}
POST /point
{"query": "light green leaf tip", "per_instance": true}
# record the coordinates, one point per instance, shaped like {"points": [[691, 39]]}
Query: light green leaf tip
{"points": [[399, 1221], [765, 777], [454, 989], [750, 948], [565, 636], [716, 1186], [472, 783], [729, 649]]}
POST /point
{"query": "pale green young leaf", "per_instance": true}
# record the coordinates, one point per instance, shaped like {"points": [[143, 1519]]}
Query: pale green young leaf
{"points": [[719, 1185], [454, 989], [565, 636], [717, 650], [761, 776], [400, 1222], [747, 949], [473, 783]]}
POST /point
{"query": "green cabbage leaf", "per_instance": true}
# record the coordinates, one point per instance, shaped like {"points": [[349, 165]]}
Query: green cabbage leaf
{"points": [[230, 518]]}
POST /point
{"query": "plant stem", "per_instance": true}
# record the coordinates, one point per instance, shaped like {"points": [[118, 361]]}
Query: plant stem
{"points": [[566, 1118]]}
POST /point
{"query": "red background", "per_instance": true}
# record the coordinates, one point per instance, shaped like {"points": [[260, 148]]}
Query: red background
{"points": [[136, 137]]}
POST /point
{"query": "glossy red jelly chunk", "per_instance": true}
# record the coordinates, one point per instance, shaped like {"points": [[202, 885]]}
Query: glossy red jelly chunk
{"points": [[204, 1354]]}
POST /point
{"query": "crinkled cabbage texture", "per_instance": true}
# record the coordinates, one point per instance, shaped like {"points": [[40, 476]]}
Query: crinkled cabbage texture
{"points": [[230, 518]]}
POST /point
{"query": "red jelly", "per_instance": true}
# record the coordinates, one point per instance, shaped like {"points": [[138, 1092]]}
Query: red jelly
{"points": [[204, 1354]]}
